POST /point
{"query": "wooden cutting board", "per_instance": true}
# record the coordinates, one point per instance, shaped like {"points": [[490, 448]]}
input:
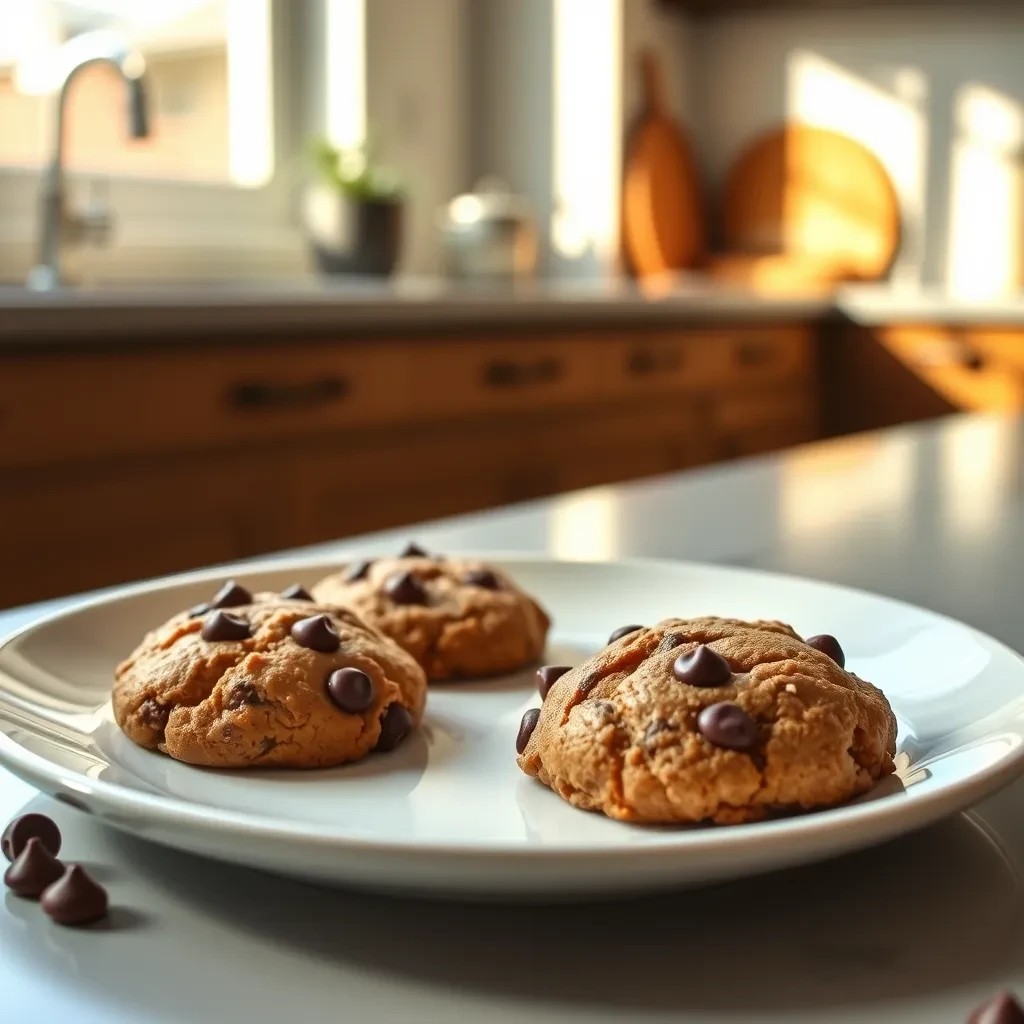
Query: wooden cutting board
{"points": [[813, 199], [662, 226]]}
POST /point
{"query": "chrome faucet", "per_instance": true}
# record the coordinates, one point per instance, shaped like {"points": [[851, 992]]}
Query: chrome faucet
{"points": [[57, 222]]}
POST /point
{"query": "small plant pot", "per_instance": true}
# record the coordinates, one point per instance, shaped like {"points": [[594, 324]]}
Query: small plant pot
{"points": [[353, 236]]}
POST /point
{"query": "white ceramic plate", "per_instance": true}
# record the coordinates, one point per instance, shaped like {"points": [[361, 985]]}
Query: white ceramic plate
{"points": [[449, 811]]}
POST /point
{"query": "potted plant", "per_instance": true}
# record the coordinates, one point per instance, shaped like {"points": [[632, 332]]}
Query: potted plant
{"points": [[353, 212]]}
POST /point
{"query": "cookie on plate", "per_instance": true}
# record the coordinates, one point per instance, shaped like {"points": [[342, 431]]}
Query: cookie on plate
{"points": [[708, 719], [267, 681], [457, 617]]}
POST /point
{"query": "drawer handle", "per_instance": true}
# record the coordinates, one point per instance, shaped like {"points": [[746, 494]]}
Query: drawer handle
{"points": [[939, 354], [257, 396], [644, 362], [506, 374]]}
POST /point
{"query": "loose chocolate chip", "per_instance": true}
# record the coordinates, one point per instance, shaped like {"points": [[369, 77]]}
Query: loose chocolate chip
{"points": [[317, 633], [828, 645], [727, 725], [395, 725], [231, 595], [484, 578], [413, 550], [198, 610], [241, 693], [75, 898], [34, 869], [1002, 1009], [702, 667], [404, 588], [623, 631], [358, 570], [225, 626], [526, 727], [546, 677], [30, 826], [350, 689], [297, 592]]}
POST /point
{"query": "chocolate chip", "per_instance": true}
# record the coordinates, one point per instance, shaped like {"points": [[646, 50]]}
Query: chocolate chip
{"points": [[484, 578], [198, 610], [30, 826], [395, 725], [1002, 1009], [357, 570], [240, 693], [404, 588], [413, 550], [34, 869], [225, 626], [828, 645], [526, 727], [231, 595], [297, 592], [702, 667], [350, 689], [318, 633], [75, 898], [153, 714], [546, 677], [727, 725], [623, 631]]}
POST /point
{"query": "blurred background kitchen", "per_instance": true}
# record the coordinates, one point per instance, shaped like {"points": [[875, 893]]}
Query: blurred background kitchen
{"points": [[279, 271]]}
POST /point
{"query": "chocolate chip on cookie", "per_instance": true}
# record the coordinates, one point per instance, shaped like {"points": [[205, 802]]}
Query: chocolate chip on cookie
{"points": [[727, 725], [357, 570], [394, 727], [829, 646], [526, 727], [350, 689], [318, 633], [221, 626], [405, 588], [621, 632], [296, 592], [702, 667], [231, 595], [239, 694], [413, 550], [485, 578], [547, 676]]}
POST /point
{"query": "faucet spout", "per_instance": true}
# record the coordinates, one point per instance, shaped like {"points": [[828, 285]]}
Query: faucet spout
{"points": [[86, 50]]}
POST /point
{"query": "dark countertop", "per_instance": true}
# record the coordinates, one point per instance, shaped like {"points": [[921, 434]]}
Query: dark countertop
{"points": [[181, 313], [918, 930]]}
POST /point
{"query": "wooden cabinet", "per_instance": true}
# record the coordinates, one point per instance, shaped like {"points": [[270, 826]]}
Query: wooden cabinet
{"points": [[116, 465], [894, 374]]}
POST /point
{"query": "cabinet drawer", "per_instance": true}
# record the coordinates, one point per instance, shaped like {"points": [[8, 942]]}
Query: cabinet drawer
{"points": [[970, 369], [67, 406], [702, 360], [493, 376], [747, 424]]}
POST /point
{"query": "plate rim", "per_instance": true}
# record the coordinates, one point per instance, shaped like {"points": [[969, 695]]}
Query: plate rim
{"points": [[171, 811]]}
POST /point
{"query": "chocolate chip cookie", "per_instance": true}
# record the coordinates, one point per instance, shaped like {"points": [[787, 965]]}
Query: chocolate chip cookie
{"points": [[456, 617], [267, 681], [708, 720]]}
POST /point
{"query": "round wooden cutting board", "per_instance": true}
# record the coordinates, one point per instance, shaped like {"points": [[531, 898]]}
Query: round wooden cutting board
{"points": [[662, 225], [817, 197]]}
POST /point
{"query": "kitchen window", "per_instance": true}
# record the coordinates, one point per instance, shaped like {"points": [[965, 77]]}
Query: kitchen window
{"points": [[210, 191]]}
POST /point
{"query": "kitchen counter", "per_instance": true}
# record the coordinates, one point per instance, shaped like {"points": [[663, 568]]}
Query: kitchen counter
{"points": [[918, 930], [177, 312]]}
